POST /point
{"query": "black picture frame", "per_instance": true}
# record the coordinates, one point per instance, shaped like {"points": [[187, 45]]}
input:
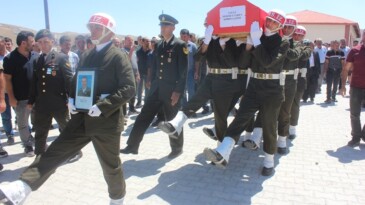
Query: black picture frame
{"points": [[85, 95]]}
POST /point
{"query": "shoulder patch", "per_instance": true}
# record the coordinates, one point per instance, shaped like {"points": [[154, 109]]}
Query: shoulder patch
{"points": [[68, 65], [186, 50]]}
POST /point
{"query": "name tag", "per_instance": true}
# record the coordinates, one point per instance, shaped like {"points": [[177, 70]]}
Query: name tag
{"points": [[49, 71]]}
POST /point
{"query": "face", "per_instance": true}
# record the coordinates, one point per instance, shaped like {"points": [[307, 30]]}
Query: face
{"points": [[116, 42], [9, 45], [66, 46], [128, 42], [319, 43], [271, 24], [145, 43], [335, 45], [343, 43], [184, 37], [2, 46], [45, 44], [288, 30], [28, 45], [84, 82], [166, 30], [80, 44], [297, 37]]}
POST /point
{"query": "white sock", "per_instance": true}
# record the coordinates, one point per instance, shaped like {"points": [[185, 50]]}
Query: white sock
{"points": [[292, 130], [269, 160], [247, 136], [225, 148], [257, 135], [16, 191], [178, 121], [282, 142], [117, 201]]}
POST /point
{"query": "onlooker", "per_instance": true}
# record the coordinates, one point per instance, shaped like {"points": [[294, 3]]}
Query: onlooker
{"points": [[17, 84], [344, 47], [129, 48], [356, 62], [65, 43], [3, 153], [190, 81], [36, 48], [116, 42], [8, 44], [6, 116], [335, 59], [314, 70], [80, 42], [192, 38], [321, 50], [89, 44], [355, 43], [142, 56]]}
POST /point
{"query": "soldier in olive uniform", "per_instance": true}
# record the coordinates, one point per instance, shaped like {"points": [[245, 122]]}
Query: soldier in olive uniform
{"points": [[264, 92], [224, 84], [50, 87], [102, 125], [298, 37], [168, 85]]}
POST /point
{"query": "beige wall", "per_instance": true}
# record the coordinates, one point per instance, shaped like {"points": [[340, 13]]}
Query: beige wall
{"points": [[326, 32]]}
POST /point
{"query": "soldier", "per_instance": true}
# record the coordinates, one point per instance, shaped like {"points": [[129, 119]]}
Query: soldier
{"points": [[224, 84], [49, 89], [101, 125], [291, 72], [168, 85], [264, 92], [298, 37]]}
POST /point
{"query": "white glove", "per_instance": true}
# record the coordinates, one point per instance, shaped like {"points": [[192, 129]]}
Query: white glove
{"points": [[239, 42], [255, 33], [71, 106], [249, 40], [208, 34], [222, 41], [94, 111]]}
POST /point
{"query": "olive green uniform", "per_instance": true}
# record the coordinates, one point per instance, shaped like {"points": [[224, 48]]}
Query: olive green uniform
{"points": [[115, 79]]}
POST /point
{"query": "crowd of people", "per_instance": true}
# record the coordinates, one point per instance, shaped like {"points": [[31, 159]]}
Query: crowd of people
{"points": [[267, 76]]}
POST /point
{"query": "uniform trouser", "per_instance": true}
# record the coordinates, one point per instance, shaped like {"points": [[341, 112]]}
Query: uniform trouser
{"points": [[295, 108], [224, 92], [312, 85], [153, 105], [42, 122], [22, 114], [356, 97], [266, 97], [333, 77], [285, 108], [68, 144]]}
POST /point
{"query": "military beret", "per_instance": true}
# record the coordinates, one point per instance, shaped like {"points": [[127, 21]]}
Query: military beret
{"points": [[167, 20], [43, 33]]}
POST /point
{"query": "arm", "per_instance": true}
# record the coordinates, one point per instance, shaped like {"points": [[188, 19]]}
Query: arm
{"points": [[67, 73], [9, 88], [2, 92], [325, 67], [182, 63], [344, 74], [267, 59], [293, 54], [126, 87], [305, 53]]}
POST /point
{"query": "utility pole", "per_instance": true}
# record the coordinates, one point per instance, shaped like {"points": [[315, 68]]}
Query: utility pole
{"points": [[46, 14]]}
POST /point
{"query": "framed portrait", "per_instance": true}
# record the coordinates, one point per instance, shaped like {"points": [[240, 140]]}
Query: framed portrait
{"points": [[85, 89]]}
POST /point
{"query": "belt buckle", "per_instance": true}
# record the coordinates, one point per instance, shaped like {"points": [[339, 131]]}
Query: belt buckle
{"points": [[269, 76], [260, 75]]}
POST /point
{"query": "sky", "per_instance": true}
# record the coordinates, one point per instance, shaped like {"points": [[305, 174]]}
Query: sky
{"points": [[140, 17]]}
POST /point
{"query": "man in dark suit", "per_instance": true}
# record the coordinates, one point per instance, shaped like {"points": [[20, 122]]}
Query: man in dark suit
{"points": [[169, 79], [314, 70], [84, 91]]}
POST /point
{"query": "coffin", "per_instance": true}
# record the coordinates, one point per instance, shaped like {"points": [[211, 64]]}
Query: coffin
{"points": [[233, 18]]}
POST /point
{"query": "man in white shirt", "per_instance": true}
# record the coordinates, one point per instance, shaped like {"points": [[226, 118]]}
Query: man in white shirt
{"points": [[321, 50]]}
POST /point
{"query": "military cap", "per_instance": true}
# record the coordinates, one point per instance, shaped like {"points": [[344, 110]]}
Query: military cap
{"points": [[43, 33], [167, 20]]}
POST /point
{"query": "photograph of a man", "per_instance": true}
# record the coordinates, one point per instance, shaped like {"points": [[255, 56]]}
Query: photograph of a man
{"points": [[85, 90]]}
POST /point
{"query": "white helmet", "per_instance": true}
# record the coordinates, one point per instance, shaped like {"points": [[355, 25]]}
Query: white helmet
{"points": [[104, 20], [300, 30], [277, 15], [291, 21]]}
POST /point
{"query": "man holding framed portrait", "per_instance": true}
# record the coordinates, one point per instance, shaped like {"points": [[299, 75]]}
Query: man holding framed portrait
{"points": [[101, 124]]}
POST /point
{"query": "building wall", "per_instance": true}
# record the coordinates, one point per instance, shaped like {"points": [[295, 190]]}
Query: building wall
{"points": [[326, 32]]}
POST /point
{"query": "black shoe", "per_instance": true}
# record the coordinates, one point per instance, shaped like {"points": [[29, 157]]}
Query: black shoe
{"points": [[328, 101], [155, 123], [138, 105], [305, 101], [293, 136], [174, 154], [50, 127], [210, 133], [29, 151], [129, 150], [168, 129], [193, 115], [215, 158], [3, 153], [75, 157], [205, 111], [353, 143], [334, 100], [312, 100], [267, 171], [250, 144], [1, 167], [133, 112], [282, 150], [10, 140]]}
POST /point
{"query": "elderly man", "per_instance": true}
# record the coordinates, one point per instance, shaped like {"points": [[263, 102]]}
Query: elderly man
{"points": [[101, 125]]}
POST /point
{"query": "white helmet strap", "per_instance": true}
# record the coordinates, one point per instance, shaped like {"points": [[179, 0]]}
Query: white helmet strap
{"points": [[105, 33]]}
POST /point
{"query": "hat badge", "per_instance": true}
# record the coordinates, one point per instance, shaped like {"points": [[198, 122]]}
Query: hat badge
{"points": [[163, 18]]}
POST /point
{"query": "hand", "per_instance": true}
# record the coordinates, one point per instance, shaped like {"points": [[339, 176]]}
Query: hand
{"points": [[222, 41], [2, 106], [13, 102], [249, 40], [29, 107], [175, 98], [138, 78], [208, 34], [255, 33], [148, 84], [196, 76], [94, 111], [343, 91], [239, 42], [71, 106]]}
